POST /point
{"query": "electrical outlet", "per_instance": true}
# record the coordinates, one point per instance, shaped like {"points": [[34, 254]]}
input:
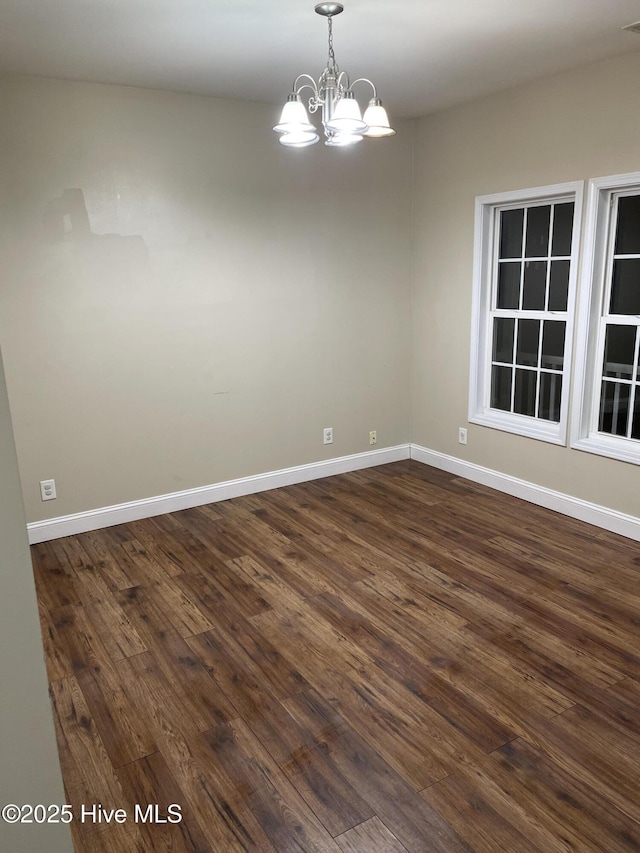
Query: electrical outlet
{"points": [[48, 490], [462, 435], [327, 435], [373, 437]]}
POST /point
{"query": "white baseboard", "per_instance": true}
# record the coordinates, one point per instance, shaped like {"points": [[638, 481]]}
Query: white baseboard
{"points": [[601, 516], [81, 522], [68, 525]]}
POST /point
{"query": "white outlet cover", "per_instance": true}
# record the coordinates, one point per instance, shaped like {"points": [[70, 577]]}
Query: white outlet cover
{"points": [[48, 490]]}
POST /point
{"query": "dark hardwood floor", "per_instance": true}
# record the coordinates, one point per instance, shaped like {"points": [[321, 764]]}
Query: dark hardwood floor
{"points": [[384, 661]]}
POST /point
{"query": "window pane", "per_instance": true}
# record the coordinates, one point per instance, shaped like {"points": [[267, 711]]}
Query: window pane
{"points": [[511, 227], [509, 285], [559, 285], [614, 408], [503, 329], [538, 231], [562, 229], [550, 396], [535, 285], [525, 397], [619, 350], [528, 342], [628, 233], [625, 288], [553, 344], [501, 379]]}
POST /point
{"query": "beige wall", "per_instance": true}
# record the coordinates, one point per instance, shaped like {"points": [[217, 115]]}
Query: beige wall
{"points": [[183, 301], [574, 126], [29, 769]]}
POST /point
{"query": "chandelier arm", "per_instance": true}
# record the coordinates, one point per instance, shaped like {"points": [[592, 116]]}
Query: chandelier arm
{"points": [[339, 81], [315, 101], [365, 80], [312, 85]]}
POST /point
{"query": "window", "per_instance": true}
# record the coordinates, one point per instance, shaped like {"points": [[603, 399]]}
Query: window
{"points": [[524, 285], [607, 418]]}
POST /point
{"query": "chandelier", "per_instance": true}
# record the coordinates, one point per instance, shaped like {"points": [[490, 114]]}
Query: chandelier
{"points": [[333, 95]]}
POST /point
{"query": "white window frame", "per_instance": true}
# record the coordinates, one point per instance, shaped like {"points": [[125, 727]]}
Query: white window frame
{"points": [[487, 212], [594, 288]]}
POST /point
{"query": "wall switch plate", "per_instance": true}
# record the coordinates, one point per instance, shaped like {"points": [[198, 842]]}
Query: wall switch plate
{"points": [[327, 435], [48, 490], [462, 435], [373, 437]]}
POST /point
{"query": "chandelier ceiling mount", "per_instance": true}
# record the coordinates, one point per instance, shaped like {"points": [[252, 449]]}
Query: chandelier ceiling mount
{"points": [[329, 9]]}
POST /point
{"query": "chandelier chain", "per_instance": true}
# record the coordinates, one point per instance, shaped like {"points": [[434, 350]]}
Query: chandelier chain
{"points": [[331, 64]]}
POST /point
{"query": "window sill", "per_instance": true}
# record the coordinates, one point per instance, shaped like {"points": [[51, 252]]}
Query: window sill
{"points": [[622, 449], [553, 433]]}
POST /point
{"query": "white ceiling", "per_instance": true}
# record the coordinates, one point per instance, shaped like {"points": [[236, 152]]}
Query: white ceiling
{"points": [[422, 54]]}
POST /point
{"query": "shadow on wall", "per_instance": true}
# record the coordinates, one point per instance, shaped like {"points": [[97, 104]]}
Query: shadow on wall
{"points": [[66, 219]]}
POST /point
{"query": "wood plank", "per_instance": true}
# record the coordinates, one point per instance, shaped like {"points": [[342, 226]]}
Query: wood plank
{"points": [[114, 629], [461, 709], [178, 608], [463, 806], [549, 806], [250, 645], [305, 569], [250, 695], [149, 569], [124, 734], [322, 787], [55, 581], [276, 591], [618, 704], [90, 585], [411, 737], [312, 534], [217, 806], [372, 836], [234, 582], [203, 701], [119, 571], [57, 662], [506, 691], [416, 825], [165, 548], [89, 776], [422, 609], [285, 817], [118, 635], [216, 534], [594, 751], [491, 615], [150, 782], [561, 665]]}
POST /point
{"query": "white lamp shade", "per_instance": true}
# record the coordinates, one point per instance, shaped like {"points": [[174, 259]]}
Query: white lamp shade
{"points": [[299, 138], [347, 117], [377, 121], [294, 118], [340, 140]]}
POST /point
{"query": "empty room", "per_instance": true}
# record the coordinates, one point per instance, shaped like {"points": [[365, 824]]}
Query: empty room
{"points": [[319, 470]]}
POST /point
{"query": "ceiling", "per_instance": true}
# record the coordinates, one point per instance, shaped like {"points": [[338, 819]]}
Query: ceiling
{"points": [[422, 54]]}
